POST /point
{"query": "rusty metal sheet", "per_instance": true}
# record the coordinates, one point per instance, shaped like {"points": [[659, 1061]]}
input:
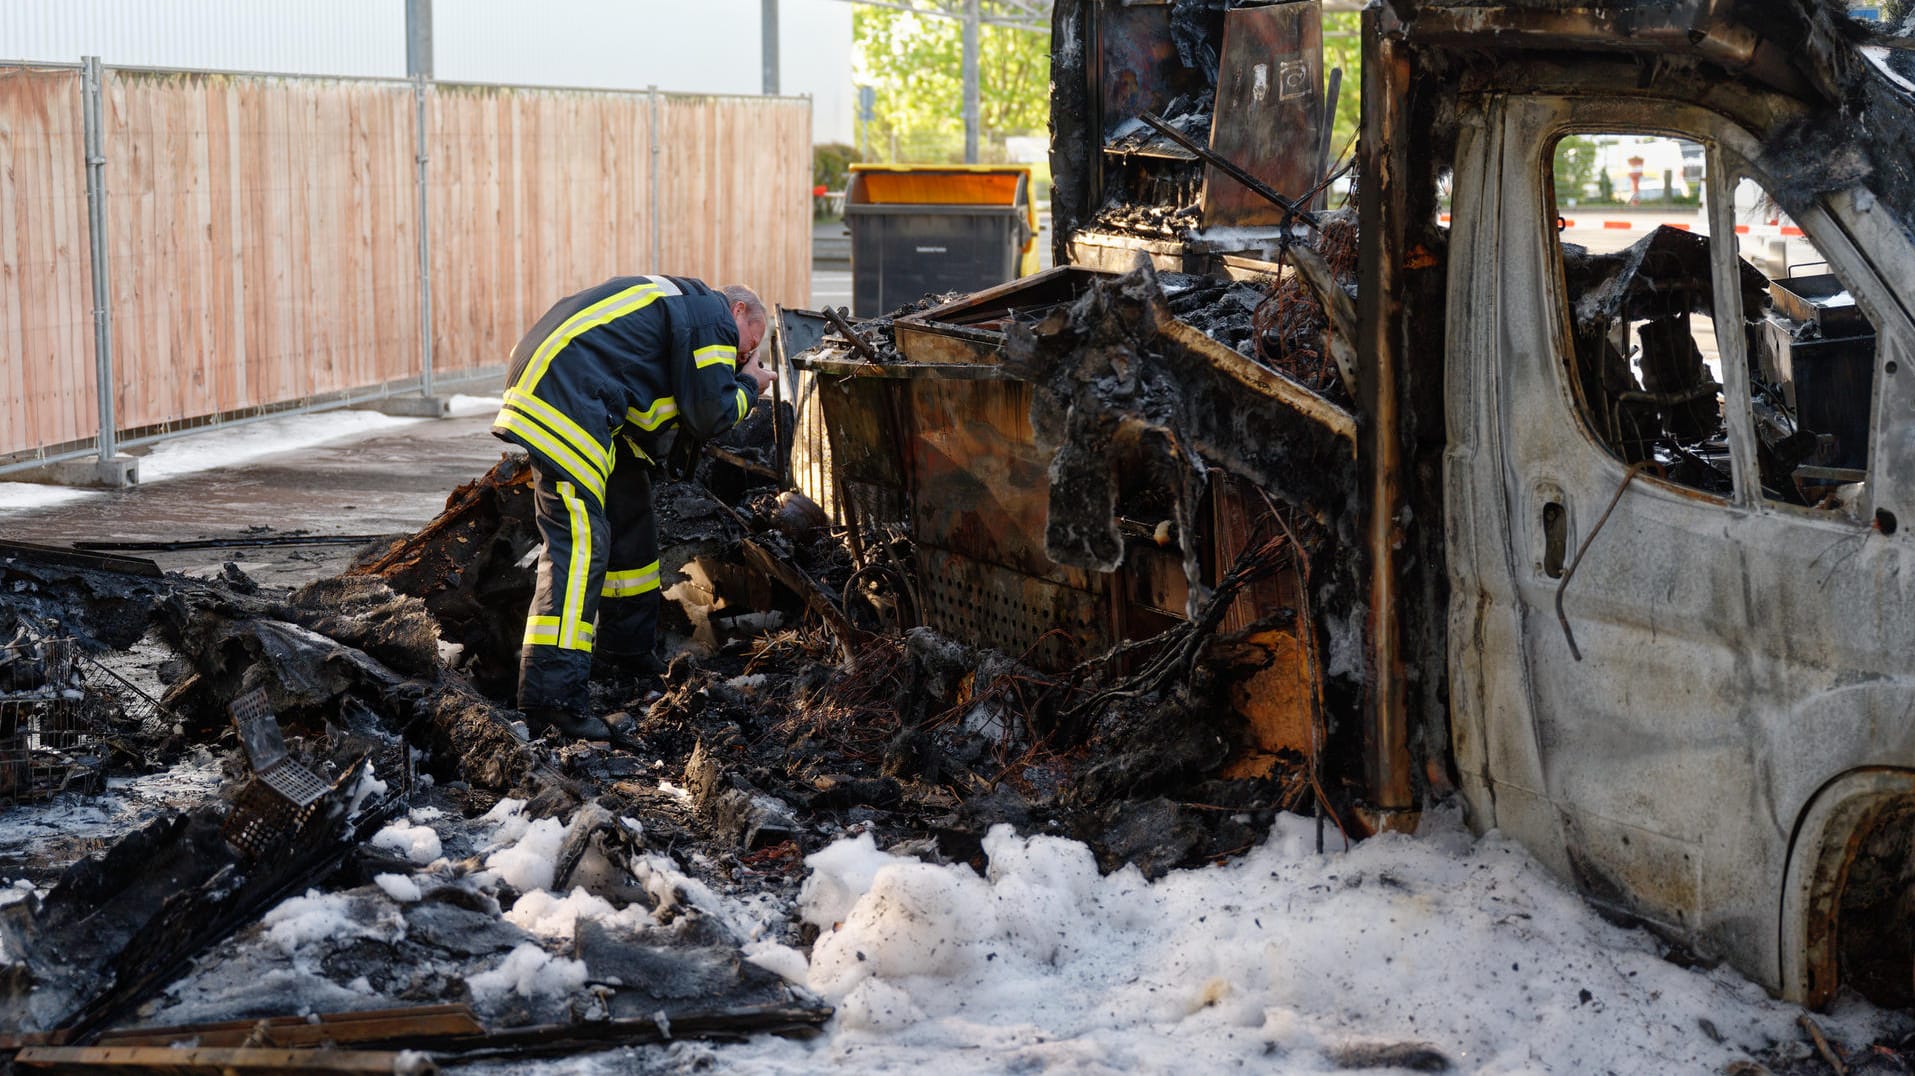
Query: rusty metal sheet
{"points": [[1273, 693], [1057, 284], [966, 370], [211, 1061], [980, 476], [933, 343], [971, 329], [1269, 110], [868, 429], [1154, 579]]}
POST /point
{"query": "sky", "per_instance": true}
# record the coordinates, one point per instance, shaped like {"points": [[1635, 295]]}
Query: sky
{"points": [[711, 46]]}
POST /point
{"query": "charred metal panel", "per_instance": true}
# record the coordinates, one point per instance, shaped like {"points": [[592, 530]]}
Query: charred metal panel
{"points": [[1048, 624], [1736, 657], [868, 430], [1269, 110], [1139, 67], [980, 476], [1247, 80], [1077, 139]]}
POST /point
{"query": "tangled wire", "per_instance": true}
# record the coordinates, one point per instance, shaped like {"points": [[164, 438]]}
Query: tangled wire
{"points": [[1288, 325]]}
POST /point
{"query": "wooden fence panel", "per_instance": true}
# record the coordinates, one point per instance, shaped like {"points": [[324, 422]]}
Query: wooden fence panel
{"points": [[46, 265], [261, 240], [262, 231], [735, 192], [536, 194]]}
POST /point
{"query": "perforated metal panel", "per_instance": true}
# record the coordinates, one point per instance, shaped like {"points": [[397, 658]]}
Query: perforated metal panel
{"points": [[262, 820], [986, 605]]}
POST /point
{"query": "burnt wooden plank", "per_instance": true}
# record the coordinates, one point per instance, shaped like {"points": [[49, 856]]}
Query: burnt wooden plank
{"points": [[80, 558]]}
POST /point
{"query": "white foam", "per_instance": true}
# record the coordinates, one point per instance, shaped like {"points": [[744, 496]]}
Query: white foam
{"points": [[531, 861], [418, 843], [21, 496], [529, 972], [236, 445], [399, 887], [548, 915], [840, 874], [1276, 961], [322, 917]]}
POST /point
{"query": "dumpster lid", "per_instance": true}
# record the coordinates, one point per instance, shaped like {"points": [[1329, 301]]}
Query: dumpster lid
{"points": [[947, 184]]}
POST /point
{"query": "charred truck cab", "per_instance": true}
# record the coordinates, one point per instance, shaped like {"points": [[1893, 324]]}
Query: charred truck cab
{"points": [[1680, 666], [1604, 531], [1633, 570]]}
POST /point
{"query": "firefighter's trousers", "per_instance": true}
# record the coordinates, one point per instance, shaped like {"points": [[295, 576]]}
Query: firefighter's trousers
{"points": [[597, 580]]}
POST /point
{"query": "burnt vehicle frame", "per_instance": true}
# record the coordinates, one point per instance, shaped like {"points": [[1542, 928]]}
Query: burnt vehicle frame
{"points": [[1691, 705]]}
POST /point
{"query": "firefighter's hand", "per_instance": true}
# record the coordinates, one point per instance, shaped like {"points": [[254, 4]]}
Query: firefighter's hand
{"points": [[760, 376]]}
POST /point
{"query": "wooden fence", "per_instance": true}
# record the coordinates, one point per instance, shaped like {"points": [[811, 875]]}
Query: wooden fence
{"points": [[46, 323], [510, 237], [262, 243]]}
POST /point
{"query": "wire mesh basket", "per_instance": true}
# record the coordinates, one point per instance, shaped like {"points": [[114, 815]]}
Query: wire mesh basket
{"points": [[49, 742], [58, 712]]}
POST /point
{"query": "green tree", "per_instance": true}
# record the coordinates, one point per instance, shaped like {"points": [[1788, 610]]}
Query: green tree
{"points": [[1576, 159], [1343, 47], [916, 65]]}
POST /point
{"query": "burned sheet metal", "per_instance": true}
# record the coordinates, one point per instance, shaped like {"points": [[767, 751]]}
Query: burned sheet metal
{"points": [[1244, 80], [1118, 364], [118, 927]]}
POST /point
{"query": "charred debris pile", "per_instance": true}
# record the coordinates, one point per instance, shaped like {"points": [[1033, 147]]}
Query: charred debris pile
{"points": [[346, 851]]}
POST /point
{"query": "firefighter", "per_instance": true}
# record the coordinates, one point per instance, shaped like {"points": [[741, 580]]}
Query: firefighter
{"points": [[598, 391]]}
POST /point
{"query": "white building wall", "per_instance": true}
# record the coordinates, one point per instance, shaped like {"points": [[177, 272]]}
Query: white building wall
{"points": [[701, 46], [711, 46], [336, 37]]}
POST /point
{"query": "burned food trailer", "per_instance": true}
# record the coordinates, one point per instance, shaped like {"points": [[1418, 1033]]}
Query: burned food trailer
{"points": [[1602, 536]]}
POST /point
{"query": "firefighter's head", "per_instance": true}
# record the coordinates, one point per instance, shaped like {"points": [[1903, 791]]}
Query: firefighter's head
{"points": [[749, 312]]}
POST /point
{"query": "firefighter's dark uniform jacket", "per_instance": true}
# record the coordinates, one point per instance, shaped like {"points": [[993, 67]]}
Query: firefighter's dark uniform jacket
{"points": [[595, 393]]}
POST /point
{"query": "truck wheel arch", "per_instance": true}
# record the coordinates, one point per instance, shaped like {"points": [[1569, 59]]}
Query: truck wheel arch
{"points": [[1844, 816]]}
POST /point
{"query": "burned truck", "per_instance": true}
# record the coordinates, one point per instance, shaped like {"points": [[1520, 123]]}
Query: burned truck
{"points": [[1598, 532]]}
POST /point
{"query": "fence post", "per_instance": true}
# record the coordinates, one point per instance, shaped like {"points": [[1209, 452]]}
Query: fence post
{"points": [[658, 252], [420, 87], [103, 380]]}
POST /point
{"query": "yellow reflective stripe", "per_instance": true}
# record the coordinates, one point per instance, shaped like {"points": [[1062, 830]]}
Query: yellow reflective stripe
{"points": [[577, 572], [744, 405], [633, 581], [542, 631], [548, 634], [556, 451], [618, 305], [663, 410], [587, 446], [716, 355], [545, 631]]}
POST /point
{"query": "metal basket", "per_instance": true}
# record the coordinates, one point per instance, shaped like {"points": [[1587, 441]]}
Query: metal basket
{"points": [[58, 708], [49, 740]]}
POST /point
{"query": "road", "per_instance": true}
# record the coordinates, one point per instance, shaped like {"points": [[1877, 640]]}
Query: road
{"points": [[1608, 228]]}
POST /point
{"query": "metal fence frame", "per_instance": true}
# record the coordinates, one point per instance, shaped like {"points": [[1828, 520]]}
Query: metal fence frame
{"points": [[107, 443]]}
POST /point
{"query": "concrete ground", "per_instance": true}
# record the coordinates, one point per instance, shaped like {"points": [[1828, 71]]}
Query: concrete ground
{"points": [[388, 483], [830, 287]]}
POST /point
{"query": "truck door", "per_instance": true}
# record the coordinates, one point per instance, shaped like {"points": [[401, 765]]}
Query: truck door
{"points": [[1679, 604]]}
